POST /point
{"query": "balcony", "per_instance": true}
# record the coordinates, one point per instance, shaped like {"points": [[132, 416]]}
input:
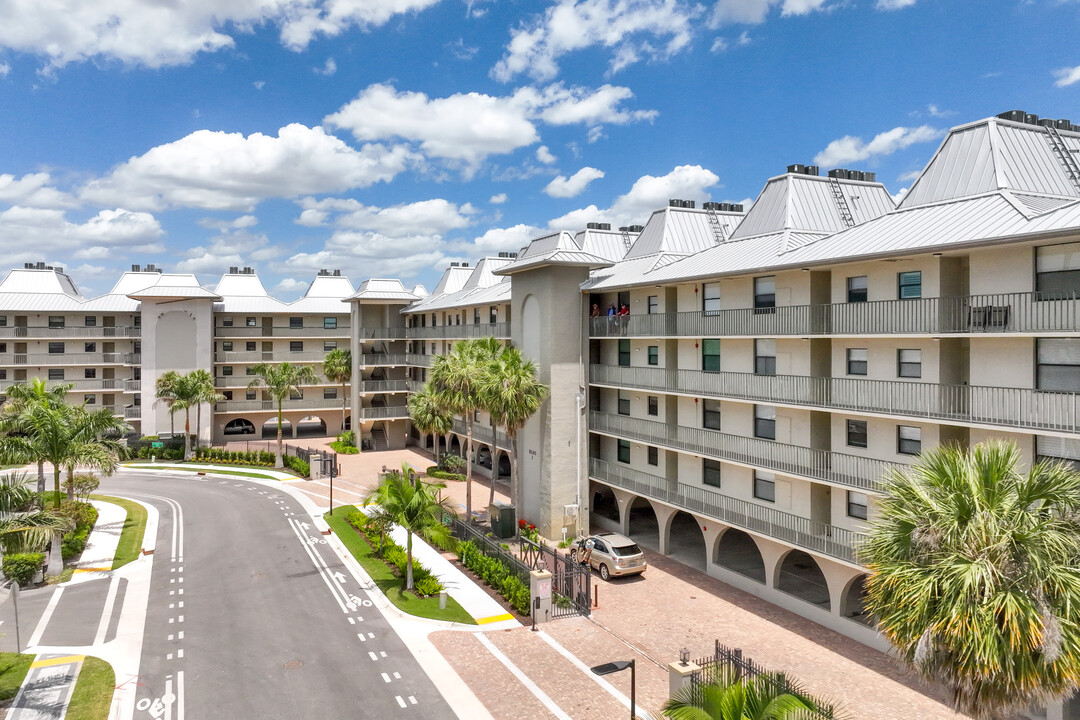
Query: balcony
{"points": [[230, 406], [849, 470], [366, 360], [273, 356], [499, 330], [482, 434], [382, 333], [393, 412], [243, 381], [133, 413], [388, 386], [341, 331], [420, 360], [69, 358], [802, 532], [1004, 313], [60, 333], [77, 386], [959, 404]]}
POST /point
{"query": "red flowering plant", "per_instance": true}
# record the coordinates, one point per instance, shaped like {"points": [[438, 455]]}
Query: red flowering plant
{"points": [[528, 530]]}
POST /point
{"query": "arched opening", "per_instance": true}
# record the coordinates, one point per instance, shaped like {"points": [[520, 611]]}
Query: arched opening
{"points": [[643, 527], [737, 551], [604, 503], [348, 422], [483, 457], [269, 428], [853, 602], [686, 543], [800, 576], [311, 426], [455, 446], [504, 464], [240, 426]]}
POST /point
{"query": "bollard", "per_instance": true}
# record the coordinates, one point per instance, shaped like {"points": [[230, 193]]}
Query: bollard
{"points": [[596, 596], [442, 599]]}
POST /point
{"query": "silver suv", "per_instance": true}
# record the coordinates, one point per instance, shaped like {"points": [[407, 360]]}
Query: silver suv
{"points": [[612, 554]]}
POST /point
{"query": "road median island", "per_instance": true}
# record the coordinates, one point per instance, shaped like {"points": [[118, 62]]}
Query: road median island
{"points": [[93, 694], [385, 577], [13, 669], [129, 547], [205, 468]]}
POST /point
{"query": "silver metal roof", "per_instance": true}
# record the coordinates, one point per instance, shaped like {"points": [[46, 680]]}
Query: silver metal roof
{"points": [[330, 286], [40, 282], [240, 285], [682, 231], [177, 292], [608, 244], [382, 289]]}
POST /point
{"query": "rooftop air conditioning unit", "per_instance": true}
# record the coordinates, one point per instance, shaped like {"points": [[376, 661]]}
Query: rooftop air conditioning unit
{"points": [[838, 173], [812, 170], [636, 228], [58, 269], [605, 226], [233, 270], [1031, 119], [1048, 122], [1013, 115], [870, 177], [736, 207], [796, 169], [674, 203], [1062, 124], [592, 226]]}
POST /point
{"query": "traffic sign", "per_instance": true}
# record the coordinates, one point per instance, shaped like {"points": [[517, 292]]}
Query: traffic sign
{"points": [[157, 444]]}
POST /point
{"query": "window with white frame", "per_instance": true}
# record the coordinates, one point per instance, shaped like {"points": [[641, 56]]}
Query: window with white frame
{"points": [[710, 355], [765, 422], [856, 361], [710, 298], [909, 363], [1058, 364], [1057, 270], [909, 285], [856, 504], [857, 289], [908, 440], [654, 355], [764, 486], [765, 356]]}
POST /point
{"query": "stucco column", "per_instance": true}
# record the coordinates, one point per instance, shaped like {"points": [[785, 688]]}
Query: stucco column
{"points": [[663, 523]]}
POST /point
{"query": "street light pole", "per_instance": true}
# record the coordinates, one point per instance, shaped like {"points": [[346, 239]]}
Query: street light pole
{"points": [[619, 666]]}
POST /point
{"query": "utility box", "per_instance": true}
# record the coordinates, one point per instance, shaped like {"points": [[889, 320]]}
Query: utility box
{"points": [[503, 520]]}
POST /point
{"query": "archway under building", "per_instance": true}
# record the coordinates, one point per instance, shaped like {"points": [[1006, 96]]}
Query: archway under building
{"points": [[311, 426], [504, 463], [642, 525], [853, 601], [239, 426], [737, 551], [801, 577], [686, 543], [483, 456], [269, 428], [604, 503], [348, 422]]}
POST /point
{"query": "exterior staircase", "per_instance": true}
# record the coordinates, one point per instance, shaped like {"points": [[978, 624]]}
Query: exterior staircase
{"points": [[378, 439]]}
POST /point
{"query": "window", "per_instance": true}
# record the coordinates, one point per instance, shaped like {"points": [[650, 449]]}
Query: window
{"points": [[856, 504], [296, 322], [710, 472], [91, 373], [251, 395], [856, 289], [1057, 269], [710, 414], [138, 323], [250, 347], [90, 321], [476, 316], [56, 347], [3, 320], [710, 298], [654, 405], [910, 285], [329, 393], [329, 323], [764, 357], [249, 370], [1058, 364], [765, 292], [3, 374], [654, 354], [226, 322], [710, 355], [493, 314], [329, 345], [654, 304], [624, 402], [3, 347], [624, 353], [226, 370], [1057, 448], [56, 373], [909, 363], [136, 346], [227, 394], [856, 361], [624, 451], [56, 321], [764, 486], [856, 433], [765, 422], [250, 322], [908, 440], [654, 456], [296, 346], [89, 399], [226, 346]]}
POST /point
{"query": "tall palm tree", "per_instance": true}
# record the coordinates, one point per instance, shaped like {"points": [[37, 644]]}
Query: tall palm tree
{"points": [[337, 367], [22, 527], [512, 394], [205, 391], [415, 505], [281, 381], [165, 392], [455, 380], [975, 575], [96, 443], [428, 416], [727, 697], [21, 397]]}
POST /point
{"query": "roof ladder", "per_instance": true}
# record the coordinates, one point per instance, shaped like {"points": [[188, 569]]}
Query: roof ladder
{"points": [[714, 222], [626, 240], [841, 202], [1065, 156]]}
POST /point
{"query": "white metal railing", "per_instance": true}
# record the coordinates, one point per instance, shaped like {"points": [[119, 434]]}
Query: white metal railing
{"points": [[382, 412], [341, 331], [69, 358], [794, 529], [271, 405], [382, 359], [851, 470], [965, 404], [76, 385], [76, 331], [1029, 312], [271, 356], [381, 333], [133, 413], [482, 434], [387, 386], [417, 360], [460, 332]]}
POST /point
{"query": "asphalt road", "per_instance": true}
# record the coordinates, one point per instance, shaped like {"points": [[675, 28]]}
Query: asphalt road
{"points": [[251, 615]]}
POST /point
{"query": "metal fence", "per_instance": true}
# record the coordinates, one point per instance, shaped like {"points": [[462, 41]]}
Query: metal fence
{"points": [[726, 661], [571, 582], [488, 546]]}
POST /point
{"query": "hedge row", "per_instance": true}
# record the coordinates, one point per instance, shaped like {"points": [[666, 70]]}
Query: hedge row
{"points": [[236, 457], [22, 567], [74, 542], [297, 465], [438, 474], [342, 449], [424, 583], [497, 575]]}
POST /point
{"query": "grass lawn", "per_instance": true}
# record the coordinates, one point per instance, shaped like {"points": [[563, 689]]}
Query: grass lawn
{"points": [[13, 669], [390, 584], [216, 469], [93, 692], [131, 537]]}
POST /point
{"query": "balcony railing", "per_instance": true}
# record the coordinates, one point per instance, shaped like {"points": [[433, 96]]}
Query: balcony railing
{"points": [[133, 386], [460, 332], [77, 385], [69, 358], [78, 331], [271, 405], [973, 314], [482, 434], [392, 412], [271, 356], [417, 360], [851, 470], [388, 386], [341, 331], [382, 333], [133, 413], [963, 404], [382, 359], [799, 531], [242, 381]]}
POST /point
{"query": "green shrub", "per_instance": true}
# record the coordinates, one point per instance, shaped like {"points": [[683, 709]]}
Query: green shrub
{"points": [[84, 516], [85, 484], [297, 465], [445, 475], [494, 573], [22, 567], [452, 463], [428, 586], [341, 448], [347, 437]]}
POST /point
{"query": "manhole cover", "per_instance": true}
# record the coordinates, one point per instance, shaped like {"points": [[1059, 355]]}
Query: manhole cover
{"points": [[294, 664]]}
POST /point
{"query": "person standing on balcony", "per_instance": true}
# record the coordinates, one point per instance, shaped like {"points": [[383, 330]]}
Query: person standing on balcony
{"points": [[611, 313]]}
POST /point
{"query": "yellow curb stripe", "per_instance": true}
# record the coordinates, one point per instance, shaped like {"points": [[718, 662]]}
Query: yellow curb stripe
{"points": [[494, 618], [93, 569], [66, 660]]}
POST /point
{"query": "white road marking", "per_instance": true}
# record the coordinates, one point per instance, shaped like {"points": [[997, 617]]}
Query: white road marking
{"points": [[181, 603], [382, 653], [523, 678], [172, 606], [373, 656], [351, 621], [180, 653], [106, 613], [180, 592], [397, 676], [399, 701], [180, 695], [324, 571], [169, 656], [171, 637], [181, 618], [585, 669], [412, 700], [371, 635], [361, 636], [171, 621], [180, 635], [385, 677]]}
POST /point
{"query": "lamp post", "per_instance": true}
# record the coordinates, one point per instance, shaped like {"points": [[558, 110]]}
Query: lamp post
{"points": [[619, 666]]}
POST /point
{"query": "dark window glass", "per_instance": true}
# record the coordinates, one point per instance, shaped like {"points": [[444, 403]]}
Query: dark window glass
{"points": [[654, 456], [765, 292], [329, 393], [296, 322], [910, 285], [856, 361], [654, 405], [624, 451], [91, 373], [250, 322], [89, 399], [710, 298], [765, 357], [624, 403], [226, 370], [909, 363], [856, 504], [89, 347], [710, 355], [329, 323], [250, 347], [90, 321], [765, 422], [710, 472], [226, 346], [56, 321], [56, 373], [493, 314], [654, 304], [1058, 364], [251, 395], [624, 353], [908, 440], [710, 414], [296, 346], [1057, 270], [856, 433], [226, 322], [856, 289], [654, 355], [56, 347], [764, 487], [329, 345]]}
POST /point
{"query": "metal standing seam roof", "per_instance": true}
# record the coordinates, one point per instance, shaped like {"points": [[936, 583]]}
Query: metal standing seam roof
{"points": [[381, 289], [39, 282], [607, 244], [329, 286], [240, 285], [682, 231], [178, 292], [498, 293]]}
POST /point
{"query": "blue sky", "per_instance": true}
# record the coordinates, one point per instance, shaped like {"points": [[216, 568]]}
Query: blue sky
{"points": [[389, 137]]}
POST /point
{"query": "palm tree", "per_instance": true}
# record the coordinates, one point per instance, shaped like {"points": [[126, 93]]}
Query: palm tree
{"points": [[281, 381], [727, 697], [455, 380], [95, 442], [22, 528], [205, 391], [512, 394], [415, 505], [21, 397], [975, 575], [165, 391], [337, 367], [428, 417]]}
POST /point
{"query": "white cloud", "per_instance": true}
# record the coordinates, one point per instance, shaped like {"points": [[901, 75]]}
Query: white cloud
{"points": [[753, 12], [633, 29], [227, 171], [563, 187], [899, 195], [909, 176], [460, 50], [934, 111], [427, 217], [157, 34], [328, 68], [259, 84], [544, 155], [290, 286], [25, 233], [559, 105], [230, 248], [509, 239], [498, 199], [366, 254], [244, 221], [33, 190], [849, 149], [1065, 76], [5, 70], [894, 4], [647, 194]]}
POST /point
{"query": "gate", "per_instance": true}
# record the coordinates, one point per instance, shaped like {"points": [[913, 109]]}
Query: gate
{"points": [[571, 582]]}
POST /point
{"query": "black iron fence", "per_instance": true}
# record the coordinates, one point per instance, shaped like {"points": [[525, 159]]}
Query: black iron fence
{"points": [[571, 582], [726, 663], [488, 546]]}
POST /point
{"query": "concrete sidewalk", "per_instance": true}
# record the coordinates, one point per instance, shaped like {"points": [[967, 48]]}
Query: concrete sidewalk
{"points": [[97, 557]]}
